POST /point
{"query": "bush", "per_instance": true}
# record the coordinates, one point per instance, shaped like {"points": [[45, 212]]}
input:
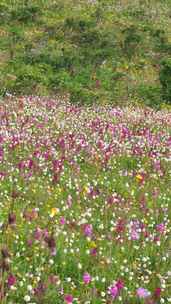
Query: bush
{"points": [[165, 79], [25, 13], [150, 95], [132, 39], [82, 95]]}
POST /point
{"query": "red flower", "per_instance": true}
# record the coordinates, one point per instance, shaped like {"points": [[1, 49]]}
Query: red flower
{"points": [[157, 292], [11, 280]]}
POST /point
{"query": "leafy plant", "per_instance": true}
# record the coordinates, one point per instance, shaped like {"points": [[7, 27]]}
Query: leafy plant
{"points": [[165, 79]]}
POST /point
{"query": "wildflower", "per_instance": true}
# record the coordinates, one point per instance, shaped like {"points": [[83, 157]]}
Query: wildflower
{"points": [[120, 284], [160, 227], [157, 292], [38, 233], [93, 251], [88, 230], [113, 291], [139, 178], [11, 280], [68, 299], [143, 293], [51, 244], [54, 211], [27, 298], [62, 220], [40, 289], [134, 235], [11, 219], [86, 278]]}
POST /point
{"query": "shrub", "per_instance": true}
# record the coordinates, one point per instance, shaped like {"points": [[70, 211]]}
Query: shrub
{"points": [[165, 79], [150, 95], [131, 40], [82, 95]]}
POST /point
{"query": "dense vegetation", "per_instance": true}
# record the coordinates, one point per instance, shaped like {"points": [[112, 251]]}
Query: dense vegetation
{"points": [[85, 202], [95, 51]]}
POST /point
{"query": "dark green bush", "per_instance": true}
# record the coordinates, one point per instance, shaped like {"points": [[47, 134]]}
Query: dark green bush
{"points": [[165, 79], [82, 95], [150, 95], [161, 40], [25, 13], [132, 38]]}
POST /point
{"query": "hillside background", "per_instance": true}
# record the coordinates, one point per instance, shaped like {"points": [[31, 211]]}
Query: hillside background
{"points": [[111, 51]]}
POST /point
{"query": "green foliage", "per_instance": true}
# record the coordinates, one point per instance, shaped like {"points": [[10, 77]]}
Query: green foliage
{"points": [[131, 41], [26, 12], [150, 95], [165, 79]]}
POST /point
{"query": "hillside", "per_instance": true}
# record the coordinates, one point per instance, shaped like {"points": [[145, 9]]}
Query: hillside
{"points": [[114, 51]]}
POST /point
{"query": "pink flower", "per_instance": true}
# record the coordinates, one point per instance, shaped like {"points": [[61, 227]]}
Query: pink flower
{"points": [[38, 234], [157, 292], [86, 278], [160, 228], [143, 293], [62, 220], [113, 290], [88, 230], [11, 280], [120, 284], [68, 299], [93, 251], [69, 201], [135, 235]]}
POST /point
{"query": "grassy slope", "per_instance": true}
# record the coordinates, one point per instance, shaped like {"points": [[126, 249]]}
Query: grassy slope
{"points": [[103, 51]]}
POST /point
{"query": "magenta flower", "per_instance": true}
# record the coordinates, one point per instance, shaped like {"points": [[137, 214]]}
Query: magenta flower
{"points": [[120, 284], [157, 292], [160, 227], [68, 299], [38, 234], [86, 278], [113, 291], [62, 220], [115, 288], [88, 230], [135, 235], [93, 252], [11, 280], [143, 293]]}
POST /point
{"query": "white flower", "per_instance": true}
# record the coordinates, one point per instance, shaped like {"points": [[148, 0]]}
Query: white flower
{"points": [[27, 298]]}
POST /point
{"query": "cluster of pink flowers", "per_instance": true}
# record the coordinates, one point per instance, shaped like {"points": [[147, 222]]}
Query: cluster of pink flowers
{"points": [[85, 203]]}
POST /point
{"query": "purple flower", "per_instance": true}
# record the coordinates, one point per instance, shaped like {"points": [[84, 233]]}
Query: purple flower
{"points": [[11, 280], [86, 278], [120, 284], [160, 227], [143, 293], [113, 291], [88, 230], [135, 235], [62, 220], [68, 299]]}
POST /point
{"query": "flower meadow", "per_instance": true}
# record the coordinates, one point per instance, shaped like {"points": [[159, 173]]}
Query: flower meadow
{"points": [[85, 203]]}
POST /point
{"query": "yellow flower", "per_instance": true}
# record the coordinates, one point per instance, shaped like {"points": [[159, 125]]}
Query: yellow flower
{"points": [[93, 244], [54, 211], [85, 189], [139, 177]]}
